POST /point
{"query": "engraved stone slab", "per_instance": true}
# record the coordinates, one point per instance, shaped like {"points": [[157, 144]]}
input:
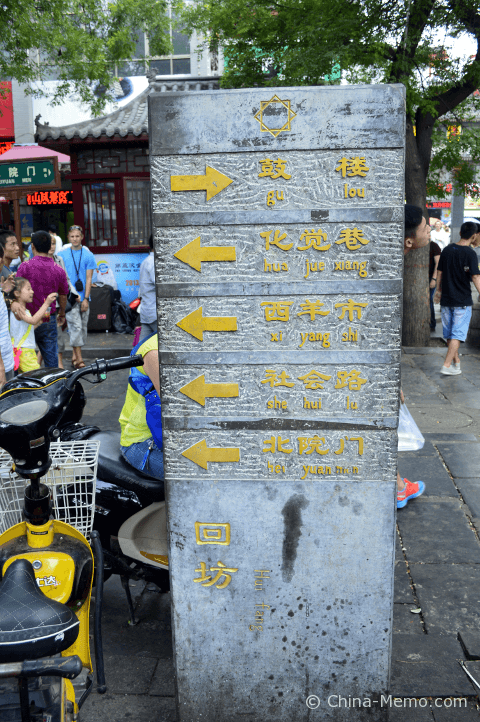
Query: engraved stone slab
{"points": [[314, 182], [346, 214], [278, 257], [288, 625], [275, 252], [316, 454], [235, 121], [290, 322], [284, 391]]}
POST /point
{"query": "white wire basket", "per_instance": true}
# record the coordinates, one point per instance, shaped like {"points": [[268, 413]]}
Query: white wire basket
{"points": [[71, 479]]}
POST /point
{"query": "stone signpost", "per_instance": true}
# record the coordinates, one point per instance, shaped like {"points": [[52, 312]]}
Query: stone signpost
{"points": [[278, 242]]}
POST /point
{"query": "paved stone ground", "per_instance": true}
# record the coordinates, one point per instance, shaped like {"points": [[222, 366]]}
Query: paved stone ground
{"points": [[437, 565]]}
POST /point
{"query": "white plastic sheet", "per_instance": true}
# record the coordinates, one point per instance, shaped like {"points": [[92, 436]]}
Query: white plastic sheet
{"points": [[409, 435]]}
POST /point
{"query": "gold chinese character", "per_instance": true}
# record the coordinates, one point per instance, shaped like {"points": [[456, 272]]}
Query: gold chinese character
{"points": [[352, 379], [274, 380], [276, 240], [360, 443], [313, 309], [221, 571], [272, 442], [277, 310], [353, 238], [269, 171], [314, 240], [340, 450], [352, 307], [215, 533], [314, 380], [352, 166], [309, 445]]}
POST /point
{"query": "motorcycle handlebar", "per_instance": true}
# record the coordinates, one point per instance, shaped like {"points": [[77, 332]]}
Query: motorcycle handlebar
{"points": [[124, 362], [101, 367]]}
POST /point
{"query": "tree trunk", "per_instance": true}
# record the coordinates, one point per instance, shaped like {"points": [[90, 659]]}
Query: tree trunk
{"points": [[416, 299]]}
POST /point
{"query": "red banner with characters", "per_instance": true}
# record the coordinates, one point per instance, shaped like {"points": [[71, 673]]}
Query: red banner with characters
{"points": [[7, 128]]}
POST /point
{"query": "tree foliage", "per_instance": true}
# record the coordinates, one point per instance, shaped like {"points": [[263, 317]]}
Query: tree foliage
{"points": [[301, 42], [79, 40]]}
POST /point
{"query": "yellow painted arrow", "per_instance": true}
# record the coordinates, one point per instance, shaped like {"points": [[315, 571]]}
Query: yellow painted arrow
{"points": [[194, 253], [213, 182], [196, 323], [201, 454], [198, 390]]}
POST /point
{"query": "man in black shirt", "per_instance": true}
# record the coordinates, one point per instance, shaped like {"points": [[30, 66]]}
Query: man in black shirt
{"points": [[458, 264]]}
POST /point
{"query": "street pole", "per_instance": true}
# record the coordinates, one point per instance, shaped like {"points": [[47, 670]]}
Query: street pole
{"points": [[458, 206]]}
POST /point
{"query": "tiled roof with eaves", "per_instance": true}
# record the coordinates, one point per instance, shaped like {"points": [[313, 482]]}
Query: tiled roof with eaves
{"points": [[131, 119]]}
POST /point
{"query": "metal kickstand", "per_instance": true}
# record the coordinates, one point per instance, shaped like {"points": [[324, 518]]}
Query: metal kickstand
{"points": [[125, 584]]}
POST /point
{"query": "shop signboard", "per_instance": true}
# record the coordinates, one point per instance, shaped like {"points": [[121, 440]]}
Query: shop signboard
{"points": [[19, 178], [120, 270], [279, 251], [34, 173]]}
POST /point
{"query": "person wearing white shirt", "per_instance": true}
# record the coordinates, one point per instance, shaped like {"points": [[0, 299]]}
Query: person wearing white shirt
{"points": [[148, 307], [52, 229], [439, 234]]}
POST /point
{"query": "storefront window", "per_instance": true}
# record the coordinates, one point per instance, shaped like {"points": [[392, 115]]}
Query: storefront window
{"points": [[137, 195], [100, 214]]}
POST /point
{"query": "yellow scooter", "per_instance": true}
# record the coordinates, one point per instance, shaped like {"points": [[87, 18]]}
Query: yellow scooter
{"points": [[46, 567]]}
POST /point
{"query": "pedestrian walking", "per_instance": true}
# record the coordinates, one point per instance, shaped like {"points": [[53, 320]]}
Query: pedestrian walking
{"points": [[457, 266], [62, 328], [439, 234], [11, 251], [62, 332], [45, 277], [22, 325], [80, 264], [148, 307]]}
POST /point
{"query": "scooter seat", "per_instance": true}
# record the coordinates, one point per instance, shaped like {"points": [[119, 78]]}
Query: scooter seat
{"points": [[113, 468], [31, 624]]}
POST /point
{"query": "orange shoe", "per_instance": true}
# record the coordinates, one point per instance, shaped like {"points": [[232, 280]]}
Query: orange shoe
{"points": [[411, 491]]}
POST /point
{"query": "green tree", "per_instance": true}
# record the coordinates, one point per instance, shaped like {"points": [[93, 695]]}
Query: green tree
{"points": [[79, 40], [300, 42]]}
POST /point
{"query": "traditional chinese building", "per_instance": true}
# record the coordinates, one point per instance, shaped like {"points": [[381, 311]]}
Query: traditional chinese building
{"points": [[110, 178], [39, 209]]}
